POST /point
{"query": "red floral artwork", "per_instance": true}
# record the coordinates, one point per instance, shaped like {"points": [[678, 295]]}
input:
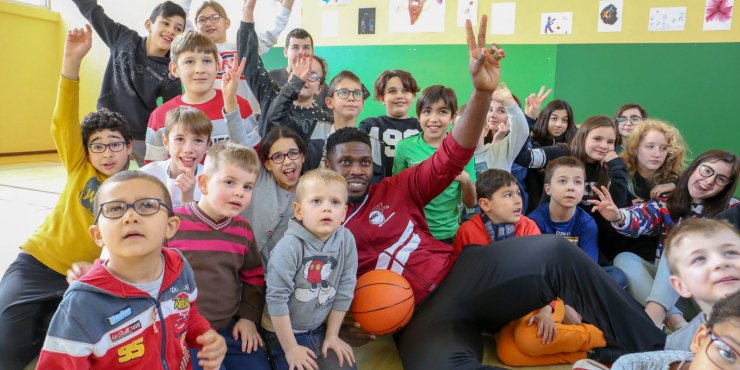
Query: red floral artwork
{"points": [[719, 11]]}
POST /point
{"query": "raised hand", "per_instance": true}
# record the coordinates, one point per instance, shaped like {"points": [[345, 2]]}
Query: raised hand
{"points": [[605, 205], [534, 102], [302, 67], [503, 95], [248, 11], [78, 42], [485, 63], [231, 77]]}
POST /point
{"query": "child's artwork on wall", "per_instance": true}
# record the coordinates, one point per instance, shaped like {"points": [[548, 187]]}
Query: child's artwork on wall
{"points": [[366, 21], [502, 19], [556, 23], [269, 10], [667, 19], [336, 2], [610, 16], [416, 16], [467, 9], [718, 15]]}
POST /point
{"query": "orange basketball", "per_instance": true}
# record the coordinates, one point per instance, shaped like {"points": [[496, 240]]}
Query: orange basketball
{"points": [[383, 303]]}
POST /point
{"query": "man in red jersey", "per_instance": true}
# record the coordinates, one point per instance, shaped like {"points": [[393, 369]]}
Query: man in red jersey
{"points": [[487, 286]]}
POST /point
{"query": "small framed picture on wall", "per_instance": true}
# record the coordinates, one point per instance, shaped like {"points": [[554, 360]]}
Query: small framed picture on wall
{"points": [[366, 21]]}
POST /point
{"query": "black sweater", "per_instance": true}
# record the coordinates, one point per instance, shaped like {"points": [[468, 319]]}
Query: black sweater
{"points": [[133, 81]]}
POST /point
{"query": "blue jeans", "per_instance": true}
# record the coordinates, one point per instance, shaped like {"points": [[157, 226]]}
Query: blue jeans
{"points": [[312, 339], [235, 358], [617, 275]]}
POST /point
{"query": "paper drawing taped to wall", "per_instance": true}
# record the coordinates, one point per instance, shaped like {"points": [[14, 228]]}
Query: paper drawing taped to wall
{"points": [[718, 15], [416, 16], [610, 16], [667, 19], [556, 23]]}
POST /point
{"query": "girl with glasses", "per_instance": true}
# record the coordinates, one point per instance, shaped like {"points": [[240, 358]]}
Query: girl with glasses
{"points": [[704, 190], [282, 154], [627, 118]]}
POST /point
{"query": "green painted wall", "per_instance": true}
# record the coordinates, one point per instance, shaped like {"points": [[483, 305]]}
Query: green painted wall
{"points": [[694, 86]]}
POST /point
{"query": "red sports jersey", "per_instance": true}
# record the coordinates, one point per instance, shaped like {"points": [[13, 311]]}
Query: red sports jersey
{"points": [[389, 225]]}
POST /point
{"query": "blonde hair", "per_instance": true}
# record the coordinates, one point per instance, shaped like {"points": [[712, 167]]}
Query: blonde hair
{"points": [[192, 41], [218, 8], [228, 152], [670, 170], [320, 175], [192, 120], [704, 226]]}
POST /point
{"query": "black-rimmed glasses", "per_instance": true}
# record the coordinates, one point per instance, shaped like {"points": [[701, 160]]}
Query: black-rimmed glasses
{"points": [[707, 172], [213, 18], [633, 120], [145, 207], [279, 157], [345, 93], [114, 147], [721, 354]]}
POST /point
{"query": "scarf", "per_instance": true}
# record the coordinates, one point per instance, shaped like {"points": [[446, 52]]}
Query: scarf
{"points": [[498, 231]]}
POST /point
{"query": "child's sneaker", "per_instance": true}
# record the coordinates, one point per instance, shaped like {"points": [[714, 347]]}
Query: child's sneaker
{"points": [[588, 364]]}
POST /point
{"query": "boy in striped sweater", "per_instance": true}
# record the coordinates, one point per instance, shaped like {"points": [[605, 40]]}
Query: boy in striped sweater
{"points": [[219, 244]]}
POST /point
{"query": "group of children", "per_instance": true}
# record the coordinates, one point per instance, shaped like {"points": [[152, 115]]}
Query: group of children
{"points": [[238, 184]]}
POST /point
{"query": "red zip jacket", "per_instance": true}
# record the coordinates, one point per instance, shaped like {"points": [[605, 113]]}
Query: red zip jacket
{"points": [[104, 323]]}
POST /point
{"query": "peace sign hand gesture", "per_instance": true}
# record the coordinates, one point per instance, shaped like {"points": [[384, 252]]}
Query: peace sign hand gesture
{"points": [[485, 63]]}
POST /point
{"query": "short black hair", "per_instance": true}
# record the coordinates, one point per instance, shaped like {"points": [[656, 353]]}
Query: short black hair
{"points": [[435, 93], [101, 120], [298, 33], [491, 180], [726, 309], [346, 135], [277, 134], [167, 9]]}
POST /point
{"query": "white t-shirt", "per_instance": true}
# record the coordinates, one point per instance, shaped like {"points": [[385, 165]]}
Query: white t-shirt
{"points": [[161, 170]]}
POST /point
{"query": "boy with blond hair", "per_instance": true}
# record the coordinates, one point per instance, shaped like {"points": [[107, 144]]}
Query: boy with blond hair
{"points": [[704, 261], [195, 61], [311, 277], [187, 132], [90, 152], [137, 74], [219, 244], [137, 308]]}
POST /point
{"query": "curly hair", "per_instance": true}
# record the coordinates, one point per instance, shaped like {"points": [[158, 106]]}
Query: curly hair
{"points": [[104, 119], [671, 169]]}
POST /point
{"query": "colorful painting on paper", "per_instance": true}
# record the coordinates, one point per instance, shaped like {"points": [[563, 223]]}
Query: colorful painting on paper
{"points": [[667, 19], [467, 9], [336, 2], [416, 16], [503, 18], [366, 21], [610, 16], [556, 23], [718, 15]]}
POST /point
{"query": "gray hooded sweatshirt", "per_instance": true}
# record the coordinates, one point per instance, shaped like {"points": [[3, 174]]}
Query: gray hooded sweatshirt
{"points": [[307, 278]]}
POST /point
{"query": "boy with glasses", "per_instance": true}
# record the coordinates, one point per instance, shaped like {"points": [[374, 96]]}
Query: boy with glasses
{"points": [[34, 283], [300, 90], [137, 308]]}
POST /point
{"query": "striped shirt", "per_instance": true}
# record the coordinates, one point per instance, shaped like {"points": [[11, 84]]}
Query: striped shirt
{"points": [[227, 265]]}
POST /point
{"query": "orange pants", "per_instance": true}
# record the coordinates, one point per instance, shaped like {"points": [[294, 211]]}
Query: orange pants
{"points": [[517, 343]]}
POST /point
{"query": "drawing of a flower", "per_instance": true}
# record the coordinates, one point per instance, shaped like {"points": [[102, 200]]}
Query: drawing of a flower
{"points": [[719, 11]]}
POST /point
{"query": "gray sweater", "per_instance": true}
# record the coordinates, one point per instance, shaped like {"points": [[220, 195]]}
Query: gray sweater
{"points": [[307, 278], [680, 340], [658, 360]]}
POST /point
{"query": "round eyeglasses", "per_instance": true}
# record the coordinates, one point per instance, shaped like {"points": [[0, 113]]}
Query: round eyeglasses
{"points": [[707, 172], [145, 207], [633, 120], [279, 157], [345, 93]]}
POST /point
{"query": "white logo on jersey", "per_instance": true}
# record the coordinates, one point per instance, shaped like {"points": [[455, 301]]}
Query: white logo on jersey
{"points": [[377, 217], [396, 256]]}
